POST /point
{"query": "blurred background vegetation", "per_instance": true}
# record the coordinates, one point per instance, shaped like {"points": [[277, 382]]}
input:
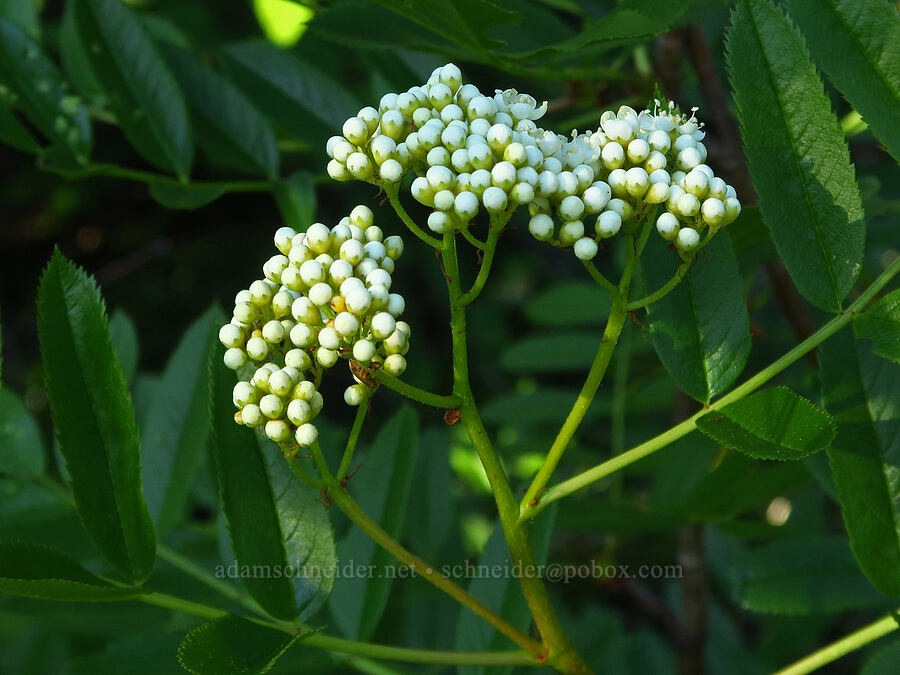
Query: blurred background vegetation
{"points": [[534, 330]]}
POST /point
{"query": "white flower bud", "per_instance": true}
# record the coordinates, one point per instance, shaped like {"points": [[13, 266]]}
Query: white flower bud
{"points": [[688, 239], [280, 384], [396, 342], [379, 277], [273, 332], [515, 154], [383, 148], [358, 301], [571, 232], [306, 435], [394, 365], [480, 156], [466, 205], [503, 175], [298, 412], [439, 178], [527, 174], [329, 338], [297, 358], [498, 137], [494, 199], [657, 194], [613, 155], [320, 294], [351, 251], [375, 250], [370, 116], [460, 161], [688, 205], [261, 293], [567, 185], [638, 151], [283, 237], [235, 358], [444, 200], [326, 357], [438, 156], [231, 336], [541, 227], [363, 351], [732, 210], [396, 304], [278, 430], [571, 208], [636, 181], [548, 182], [393, 124], [440, 95], [452, 113], [305, 391], [480, 181], [303, 335], [355, 395], [655, 162], [616, 180], [359, 166], [608, 224], [318, 238], [481, 107], [717, 188], [243, 394], [696, 182], [713, 212], [361, 216], [660, 141], [271, 406], [521, 193], [596, 197], [684, 141], [366, 266], [356, 131], [251, 415], [688, 159], [585, 248], [391, 171], [382, 325], [440, 222], [667, 225]]}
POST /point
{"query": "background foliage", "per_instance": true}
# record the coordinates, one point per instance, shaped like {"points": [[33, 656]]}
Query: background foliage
{"points": [[160, 143]]}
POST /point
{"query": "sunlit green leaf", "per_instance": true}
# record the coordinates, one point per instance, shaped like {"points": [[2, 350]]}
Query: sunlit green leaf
{"points": [[881, 324]]}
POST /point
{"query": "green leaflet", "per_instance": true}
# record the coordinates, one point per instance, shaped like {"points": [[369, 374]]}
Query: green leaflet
{"points": [[227, 125], [802, 575], [94, 419], [189, 196], [232, 646], [551, 353], [501, 593], [796, 153], [881, 324], [862, 391], [298, 97], [774, 423], [139, 88], [42, 93], [274, 521], [857, 43], [570, 303], [176, 428], [36, 571], [382, 486], [14, 133], [21, 445], [701, 330], [124, 338]]}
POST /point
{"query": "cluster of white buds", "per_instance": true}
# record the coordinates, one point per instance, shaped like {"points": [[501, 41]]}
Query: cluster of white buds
{"points": [[325, 296], [470, 151]]}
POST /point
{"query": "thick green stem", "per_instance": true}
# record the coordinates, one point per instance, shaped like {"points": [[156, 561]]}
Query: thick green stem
{"points": [[416, 394], [664, 290], [519, 658], [393, 193], [649, 447], [614, 324], [562, 653], [490, 248], [844, 646], [597, 276], [352, 440], [362, 520]]}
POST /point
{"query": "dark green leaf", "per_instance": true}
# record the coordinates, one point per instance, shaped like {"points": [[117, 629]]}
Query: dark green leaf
{"points": [[883, 661], [796, 153], [772, 424], [881, 324], [23, 13], [25, 504], [431, 499], [139, 88], [802, 575], [36, 571], [41, 93], [620, 518], [21, 445], [296, 198], [857, 43], [862, 391], [274, 521], [232, 646], [295, 95], [500, 592], [150, 653], [14, 133], [125, 341], [74, 56], [177, 424], [701, 330], [551, 353], [226, 124], [463, 21], [187, 196], [382, 486], [569, 303], [751, 241], [93, 416]]}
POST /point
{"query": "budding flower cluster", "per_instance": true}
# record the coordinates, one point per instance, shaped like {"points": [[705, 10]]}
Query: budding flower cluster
{"points": [[325, 296], [470, 151]]}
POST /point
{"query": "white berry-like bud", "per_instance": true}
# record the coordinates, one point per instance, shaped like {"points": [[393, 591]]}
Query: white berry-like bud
{"points": [[394, 365], [382, 325], [351, 251], [235, 358], [503, 175], [528, 175], [571, 208], [660, 141], [515, 154], [280, 383], [571, 232], [306, 435], [548, 182], [636, 181], [299, 412], [608, 224], [466, 205], [318, 238], [521, 193], [370, 116], [355, 395], [494, 199], [361, 216], [596, 197], [395, 305], [375, 250], [732, 210], [278, 430], [303, 335], [359, 166], [688, 159], [363, 351], [273, 332], [358, 301], [356, 131], [243, 394], [713, 212], [329, 338], [271, 406], [231, 336], [667, 225], [393, 124], [261, 292], [320, 294], [391, 171], [260, 378], [498, 137], [684, 141], [688, 239], [345, 324], [613, 155], [257, 348], [688, 205], [616, 180], [326, 357], [393, 246], [697, 183], [585, 248], [443, 200], [657, 194], [251, 415], [638, 151], [305, 391], [283, 237], [567, 185], [315, 403], [439, 178], [438, 156], [440, 222], [655, 162], [541, 227], [298, 359]]}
